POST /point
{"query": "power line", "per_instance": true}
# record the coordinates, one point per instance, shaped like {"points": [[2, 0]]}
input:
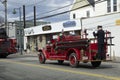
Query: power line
{"points": [[62, 12], [28, 4], [66, 6], [67, 10], [59, 8], [36, 3]]}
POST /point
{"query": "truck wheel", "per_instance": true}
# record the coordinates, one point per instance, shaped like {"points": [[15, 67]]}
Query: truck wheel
{"points": [[96, 63], [60, 61], [73, 60], [3, 56], [42, 58]]}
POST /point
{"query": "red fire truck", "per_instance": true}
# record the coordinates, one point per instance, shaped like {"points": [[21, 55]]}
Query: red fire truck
{"points": [[74, 49], [7, 45]]}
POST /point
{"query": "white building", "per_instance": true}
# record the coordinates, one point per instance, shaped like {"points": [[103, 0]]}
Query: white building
{"points": [[104, 12], [83, 16], [82, 8], [11, 30], [39, 36]]}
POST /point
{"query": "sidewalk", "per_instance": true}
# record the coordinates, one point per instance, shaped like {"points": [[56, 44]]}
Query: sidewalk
{"points": [[117, 60], [32, 54]]}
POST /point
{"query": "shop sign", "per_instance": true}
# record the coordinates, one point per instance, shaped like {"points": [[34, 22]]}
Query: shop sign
{"points": [[69, 24], [118, 22], [46, 28], [29, 31]]}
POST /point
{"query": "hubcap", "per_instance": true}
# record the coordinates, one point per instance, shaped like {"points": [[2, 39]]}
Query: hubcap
{"points": [[72, 60], [41, 57]]}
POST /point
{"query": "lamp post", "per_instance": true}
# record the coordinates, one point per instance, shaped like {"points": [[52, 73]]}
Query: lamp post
{"points": [[20, 28]]}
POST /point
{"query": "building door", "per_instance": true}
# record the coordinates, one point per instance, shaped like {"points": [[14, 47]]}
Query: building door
{"points": [[48, 37]]}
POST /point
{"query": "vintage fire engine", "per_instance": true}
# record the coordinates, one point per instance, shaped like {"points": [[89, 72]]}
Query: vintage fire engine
{"points": [[74, 49], [7, 45]]}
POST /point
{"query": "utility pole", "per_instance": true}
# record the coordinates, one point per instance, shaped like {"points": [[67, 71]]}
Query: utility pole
{"points": [[5, 4], [24, 16], [6, 13], [35, 13], [20, 29]]}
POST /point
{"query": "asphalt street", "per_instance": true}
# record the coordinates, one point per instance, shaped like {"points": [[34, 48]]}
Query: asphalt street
{"points": [[27, 67]]}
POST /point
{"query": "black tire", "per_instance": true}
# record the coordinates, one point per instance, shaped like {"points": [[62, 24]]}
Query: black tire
{"points": [[60, 61], [73, 60], [42, 58], [3, 56], [96, 63]]}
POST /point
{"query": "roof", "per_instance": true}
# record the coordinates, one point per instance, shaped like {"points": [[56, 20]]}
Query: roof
{"points": [[82, 3], [68, 25]]}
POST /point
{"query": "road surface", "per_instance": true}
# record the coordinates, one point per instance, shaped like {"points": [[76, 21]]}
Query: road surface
{"points": [[28, 68]]}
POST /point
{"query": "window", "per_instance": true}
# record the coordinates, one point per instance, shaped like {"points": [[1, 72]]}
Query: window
{"points": [[74, 16], [98, 0], [48, 37], [108, 5], [88, 13], [114, 5]]}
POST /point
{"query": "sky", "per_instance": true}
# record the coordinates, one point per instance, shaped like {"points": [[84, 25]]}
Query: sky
{"points": [[43, 8]]}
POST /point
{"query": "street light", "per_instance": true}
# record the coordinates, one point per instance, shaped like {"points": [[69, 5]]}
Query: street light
{"points": [[20, 27]]}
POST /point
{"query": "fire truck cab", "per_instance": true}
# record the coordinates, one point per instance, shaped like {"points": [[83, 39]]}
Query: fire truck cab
{"points": [[7, 45], [74, 49]]}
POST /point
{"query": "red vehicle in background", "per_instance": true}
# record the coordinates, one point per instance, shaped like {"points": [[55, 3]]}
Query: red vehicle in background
{"points": [[74, 49], [7, 45]]}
